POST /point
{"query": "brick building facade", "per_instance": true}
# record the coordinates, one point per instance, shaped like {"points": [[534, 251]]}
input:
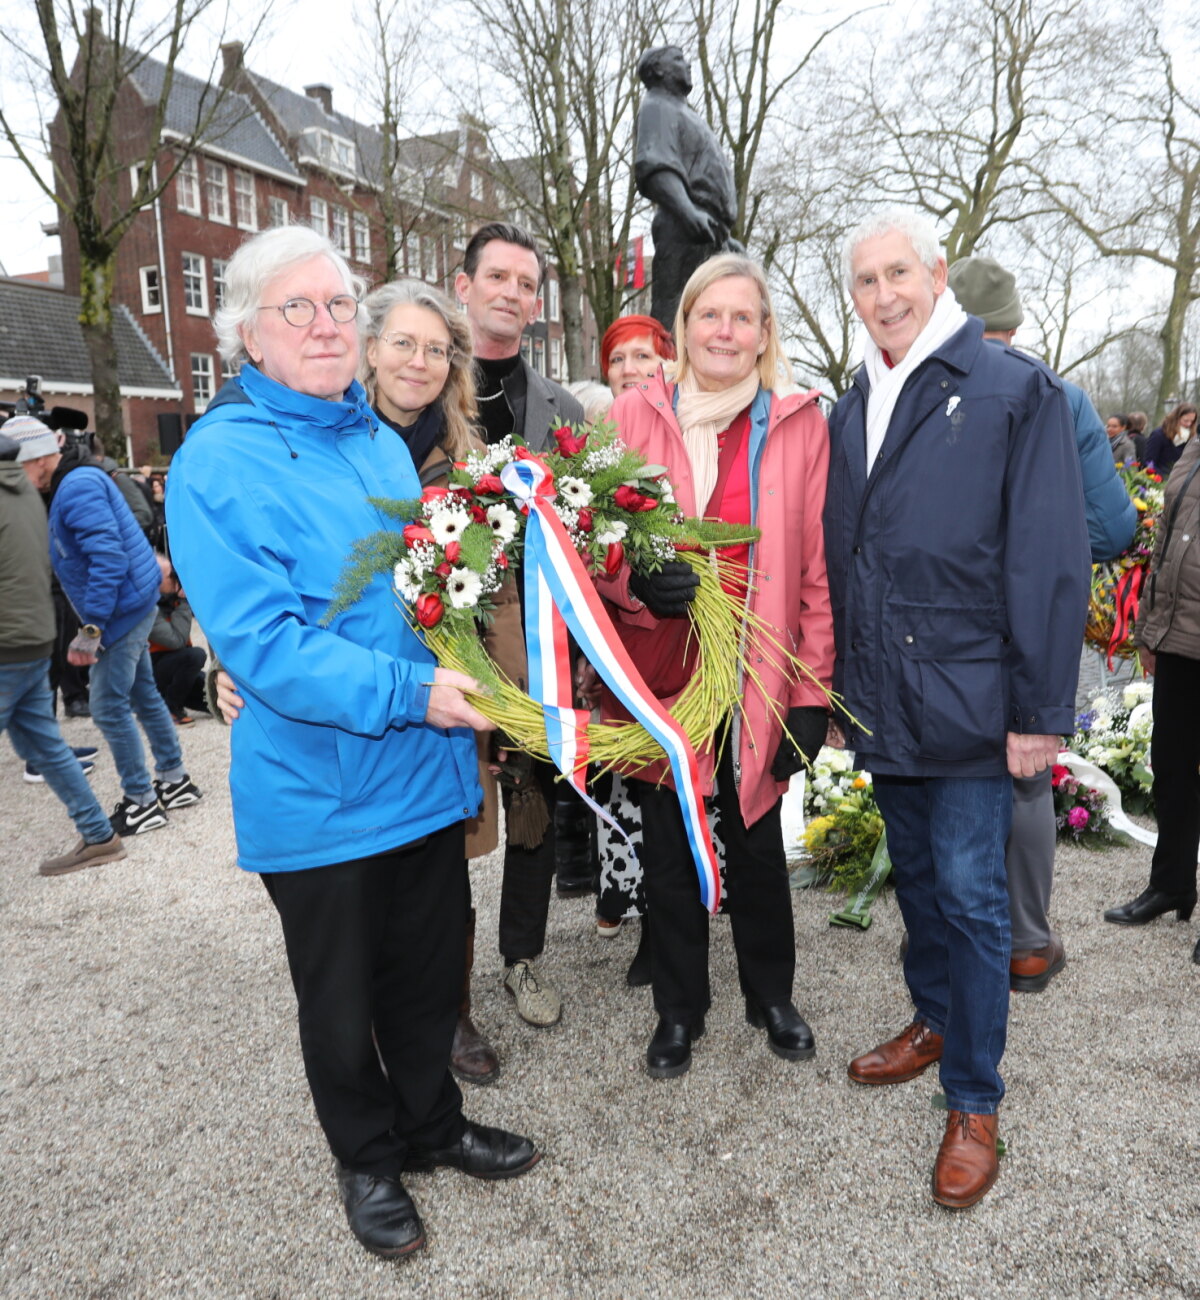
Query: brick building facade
{"points": [[274, 156]]}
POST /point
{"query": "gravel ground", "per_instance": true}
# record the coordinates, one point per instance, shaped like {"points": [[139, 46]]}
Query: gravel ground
{"points": [[157, 1139]]}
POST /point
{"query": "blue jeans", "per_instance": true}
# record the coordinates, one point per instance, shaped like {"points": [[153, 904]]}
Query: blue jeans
{"points": [[946, 838], [122, 685], [27, 714]]}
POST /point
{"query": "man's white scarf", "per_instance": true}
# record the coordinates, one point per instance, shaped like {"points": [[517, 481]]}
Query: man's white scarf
{"points": [[886, 382]]}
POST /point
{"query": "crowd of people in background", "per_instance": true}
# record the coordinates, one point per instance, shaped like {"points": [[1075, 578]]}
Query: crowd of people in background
{"points": [[364, 781]]}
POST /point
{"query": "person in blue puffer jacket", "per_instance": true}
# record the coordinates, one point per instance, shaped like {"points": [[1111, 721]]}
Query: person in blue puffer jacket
{"points": [[985, 289], [354, 765], [110, 576]]}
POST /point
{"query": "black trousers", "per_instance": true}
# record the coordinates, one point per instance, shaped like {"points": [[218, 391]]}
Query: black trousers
{"points": [[1175, 757], [376, 948], [67, 678], [759, 902], [527, 881], [178, 676]]}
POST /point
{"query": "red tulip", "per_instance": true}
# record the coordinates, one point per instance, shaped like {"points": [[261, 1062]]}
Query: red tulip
{"points": [[414, 533], [429, 609], [629, 498], [490, 486], [585, 520], [614, 557], [434, 493], [453, 551], [444, 570], [479, 514], [570, 444]]}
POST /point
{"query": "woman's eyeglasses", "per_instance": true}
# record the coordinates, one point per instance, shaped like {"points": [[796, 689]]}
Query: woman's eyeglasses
{"points": [[436, 354]]}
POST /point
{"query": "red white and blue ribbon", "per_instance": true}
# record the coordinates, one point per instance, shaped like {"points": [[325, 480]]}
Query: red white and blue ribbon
{"points": [[559, 595]]}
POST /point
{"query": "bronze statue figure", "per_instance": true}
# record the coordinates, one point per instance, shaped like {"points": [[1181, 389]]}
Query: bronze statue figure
{"points": [[679, 166]]}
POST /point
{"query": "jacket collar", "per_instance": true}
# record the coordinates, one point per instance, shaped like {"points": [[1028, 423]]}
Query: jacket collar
{"points": [[958, 353]]}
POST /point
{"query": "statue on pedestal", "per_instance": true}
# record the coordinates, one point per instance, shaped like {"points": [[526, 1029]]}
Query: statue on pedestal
{"points": [[678, 166]]}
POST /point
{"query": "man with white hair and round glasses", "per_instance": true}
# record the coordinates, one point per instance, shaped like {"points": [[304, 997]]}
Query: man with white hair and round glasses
{"points": [[353, 763]]}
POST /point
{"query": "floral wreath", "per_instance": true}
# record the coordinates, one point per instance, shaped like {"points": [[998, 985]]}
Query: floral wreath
{"points": [[458, 543]]}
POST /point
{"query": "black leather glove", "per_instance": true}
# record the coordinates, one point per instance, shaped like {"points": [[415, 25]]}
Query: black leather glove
{"points": [[803, 738], [669, 592]]}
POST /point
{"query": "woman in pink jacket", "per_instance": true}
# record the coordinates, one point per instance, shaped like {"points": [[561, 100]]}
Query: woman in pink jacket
{"points": [[734, 450]]}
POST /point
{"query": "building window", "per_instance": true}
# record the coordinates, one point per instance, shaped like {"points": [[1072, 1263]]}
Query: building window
{"points": [[229, 369], [318, 215], [218, 282], [187, 187], [339, 229], [412, 255], [151, 290], [429, 257], [526, 348], [362, 237], [556, 358], [539, 356], [595, 351], [216, 191], [195, 294], [552, 296], [477, 186], [277, 211], [202, 380], [244, 201]]}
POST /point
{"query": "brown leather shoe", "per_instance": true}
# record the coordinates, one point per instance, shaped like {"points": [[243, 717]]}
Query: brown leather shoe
{"points": [[967, 1163], [472, 1058], [1032, 969], [901, 1058]]}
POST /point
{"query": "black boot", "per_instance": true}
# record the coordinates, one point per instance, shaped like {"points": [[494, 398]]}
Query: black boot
{"points": [[472, 1058], [670, 1052], [1149, 904], [573, 845], [788, 1034]]}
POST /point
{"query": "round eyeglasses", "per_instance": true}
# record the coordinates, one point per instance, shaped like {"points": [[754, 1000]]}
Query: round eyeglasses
{"points": [[436, 354], [303, 311]]}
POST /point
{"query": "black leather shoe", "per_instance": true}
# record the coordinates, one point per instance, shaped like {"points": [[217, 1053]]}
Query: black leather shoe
{"points": [[1149, 904], [568, 885], [381, 1214], [788, 1034], [481, 1152], [670, 1052], [79, 708]]}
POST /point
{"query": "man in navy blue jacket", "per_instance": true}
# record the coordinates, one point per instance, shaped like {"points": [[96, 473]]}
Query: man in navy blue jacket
{"points": [[958, 571], [110, 576]]}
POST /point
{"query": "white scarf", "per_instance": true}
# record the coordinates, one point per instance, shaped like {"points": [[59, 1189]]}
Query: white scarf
{"points": [[886, 382], [702, 416]]}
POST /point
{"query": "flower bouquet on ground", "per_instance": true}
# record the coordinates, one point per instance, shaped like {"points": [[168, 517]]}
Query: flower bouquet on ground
{"points": [[455, 545], [1114, 734], [1080, 813], [845, 827], [1117, 585]]}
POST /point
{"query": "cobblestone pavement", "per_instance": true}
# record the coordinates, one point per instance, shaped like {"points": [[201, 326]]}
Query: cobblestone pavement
{"points": [[157, 1139]]}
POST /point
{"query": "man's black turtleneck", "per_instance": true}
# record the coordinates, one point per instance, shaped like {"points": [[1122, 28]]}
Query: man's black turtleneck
{"points": [[499, 382]]}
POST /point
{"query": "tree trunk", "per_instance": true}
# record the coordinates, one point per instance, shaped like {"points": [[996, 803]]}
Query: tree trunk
{"points": [[572, 312], [95, 316], [1171, 335]]}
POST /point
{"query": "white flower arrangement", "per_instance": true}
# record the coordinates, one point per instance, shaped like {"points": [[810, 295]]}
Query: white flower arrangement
{"points": [[575, 492]]}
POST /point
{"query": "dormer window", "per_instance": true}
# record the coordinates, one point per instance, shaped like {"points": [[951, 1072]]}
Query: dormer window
{"points": [[332, 151]]}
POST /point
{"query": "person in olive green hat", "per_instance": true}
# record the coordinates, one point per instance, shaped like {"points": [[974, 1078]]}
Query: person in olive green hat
{"points": [[987, 290]]}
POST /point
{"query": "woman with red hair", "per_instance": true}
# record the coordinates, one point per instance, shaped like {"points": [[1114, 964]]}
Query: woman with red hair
{"points": [[632, 350]]}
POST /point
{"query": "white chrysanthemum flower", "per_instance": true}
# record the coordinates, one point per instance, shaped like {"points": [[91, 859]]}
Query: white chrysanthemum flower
{"points": [[463, 587], [504, 522], [575, 492], [613, 532], [447, 524]]}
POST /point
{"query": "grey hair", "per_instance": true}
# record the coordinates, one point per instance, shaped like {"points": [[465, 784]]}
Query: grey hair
{"points": [[458, 396], [921, 232], [596, 399], [255, 264]]}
